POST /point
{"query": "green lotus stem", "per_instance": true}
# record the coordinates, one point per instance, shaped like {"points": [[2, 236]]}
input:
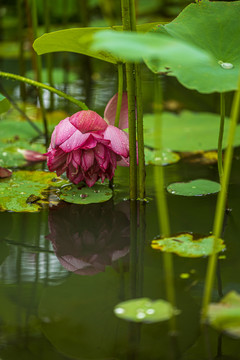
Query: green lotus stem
{"points": [[39, 70], [120, 93], [162, 202], [49, 57], [221, 204], [131, 107], [21, 46], [43, 86], [220, 136]]}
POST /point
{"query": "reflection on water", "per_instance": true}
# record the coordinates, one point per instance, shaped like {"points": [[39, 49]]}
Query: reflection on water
{"points": [[87, 238]]}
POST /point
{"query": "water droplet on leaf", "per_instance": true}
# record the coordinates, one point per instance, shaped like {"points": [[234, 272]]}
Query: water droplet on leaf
{"points": [[119, 310], [225, 65]]}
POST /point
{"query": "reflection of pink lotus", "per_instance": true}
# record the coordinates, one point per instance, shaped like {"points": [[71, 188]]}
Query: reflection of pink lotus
{"points": [[88, 147], [87, 238]]}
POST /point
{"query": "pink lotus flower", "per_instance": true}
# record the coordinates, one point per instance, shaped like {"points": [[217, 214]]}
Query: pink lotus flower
{"points": [[88, 147]]}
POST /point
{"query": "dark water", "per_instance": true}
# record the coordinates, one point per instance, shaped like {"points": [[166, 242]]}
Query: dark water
{"points": [[63, 270]]}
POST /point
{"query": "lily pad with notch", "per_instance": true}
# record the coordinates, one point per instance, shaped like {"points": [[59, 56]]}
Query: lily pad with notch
{"points": [[198, 25], [188, 245], [81, 194], [145, 310], [225, 315], [199, 187]]}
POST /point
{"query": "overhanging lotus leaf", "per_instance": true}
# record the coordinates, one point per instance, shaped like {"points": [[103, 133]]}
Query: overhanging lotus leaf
{"points": [[213, 27]]}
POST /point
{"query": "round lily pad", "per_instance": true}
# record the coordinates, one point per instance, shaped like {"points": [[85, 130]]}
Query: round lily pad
{"points": [[187, 132], [199, 187], [145, 310], [198, 25], [167, 157], [225, 315], [23, 191], [188, 245], [77, 194]]}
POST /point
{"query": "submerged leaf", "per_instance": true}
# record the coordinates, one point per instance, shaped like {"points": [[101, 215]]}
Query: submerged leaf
{"points": [[188, 131], [225, 315], [199, 187], [188, 245], [167, 157], [145, 310], [77, 194]]}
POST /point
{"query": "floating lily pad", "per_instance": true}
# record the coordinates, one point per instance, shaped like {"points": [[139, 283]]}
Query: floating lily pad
{"points": [[4, 104], [11, 155], [145, 310], [12, 130], [199, 187], [76, 194], [225, 315], [188, 245], [23, 191], [58, 75], [198, 25], [167, 157], [188, 131]]}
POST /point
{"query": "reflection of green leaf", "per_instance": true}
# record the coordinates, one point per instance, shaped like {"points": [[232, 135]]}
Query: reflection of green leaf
{"points": [[11, 156], [145, 310], [188, 131], [24, 185], [4, 104], [58, 76], [187, 245], [197, 187], [4, 251], [198, 25], [167, 157], [10, 49], [225, 315], [84, 195]]}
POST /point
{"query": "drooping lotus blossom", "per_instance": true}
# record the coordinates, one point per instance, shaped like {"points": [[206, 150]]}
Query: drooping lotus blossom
{"points": [[32, 156], [88, 147]]}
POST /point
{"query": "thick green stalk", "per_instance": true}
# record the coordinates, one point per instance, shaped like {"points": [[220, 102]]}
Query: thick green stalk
{"points": [[140, 136], [43, 86], [49, 57], [21, 47], [162, 202], [131, 107], [221, 204], [39, 69], [220, 136], [120, 93]]}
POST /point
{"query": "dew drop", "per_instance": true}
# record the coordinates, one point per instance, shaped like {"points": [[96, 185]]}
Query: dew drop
{"points": [[225, 65], [150, 311], [141, 315], [119, 310]]}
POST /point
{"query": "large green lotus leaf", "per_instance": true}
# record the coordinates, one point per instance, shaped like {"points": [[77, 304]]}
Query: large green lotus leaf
{"points": [[166, 157], [11, 154], [213, 27], [145, 310], [77, 194], [131, 46], [4, 104], [199, 187], [78, 40], [188, 245], [225, 315], [187, 132], [23, 191]]}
